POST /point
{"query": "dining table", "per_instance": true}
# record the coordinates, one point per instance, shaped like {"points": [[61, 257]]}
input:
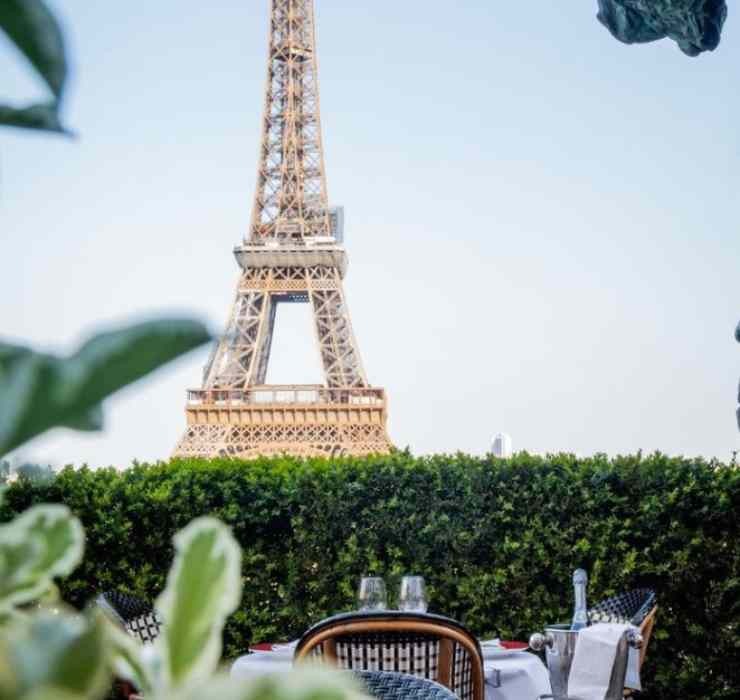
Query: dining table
{"points": [[511, 671]]}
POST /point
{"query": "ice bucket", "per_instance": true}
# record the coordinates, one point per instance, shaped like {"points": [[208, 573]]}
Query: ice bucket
{"points": [[559, 644]]}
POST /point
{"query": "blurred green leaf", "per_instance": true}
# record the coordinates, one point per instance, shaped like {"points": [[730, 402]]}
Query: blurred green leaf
{"points": [[34, 30], [54, 654], [126, 659], [42, 116], [39, 391], [304, 683], [203, 589], [90, 421], [39, 545]]}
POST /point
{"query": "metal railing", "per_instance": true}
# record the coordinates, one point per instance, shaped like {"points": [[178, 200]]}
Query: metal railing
{"points": [[307, 394]]}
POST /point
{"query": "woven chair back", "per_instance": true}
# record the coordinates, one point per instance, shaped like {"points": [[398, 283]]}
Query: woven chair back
{"points": [[136, 616], [385, 685], [426, 646], [631, 607]]}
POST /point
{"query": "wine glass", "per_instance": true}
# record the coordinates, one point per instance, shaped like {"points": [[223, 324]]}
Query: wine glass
{"points": [[372, 595], [413, 594]]}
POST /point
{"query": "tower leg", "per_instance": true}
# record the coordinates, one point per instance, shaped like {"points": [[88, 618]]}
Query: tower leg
{"points": [[242, 353], [337, 344], [264, 345]]}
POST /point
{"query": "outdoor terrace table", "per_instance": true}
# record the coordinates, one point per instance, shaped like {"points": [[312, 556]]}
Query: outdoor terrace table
{"points": [[510, 674]]}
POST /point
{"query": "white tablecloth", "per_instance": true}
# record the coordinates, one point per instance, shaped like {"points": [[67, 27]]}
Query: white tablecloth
{"points": [[523, 676]]}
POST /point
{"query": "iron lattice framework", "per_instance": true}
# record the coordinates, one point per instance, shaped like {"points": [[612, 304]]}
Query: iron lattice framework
{"points": [[293, 253]]}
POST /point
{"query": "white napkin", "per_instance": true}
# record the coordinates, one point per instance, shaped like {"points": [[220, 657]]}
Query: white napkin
{"points": [[593, 660], [490, 642]]}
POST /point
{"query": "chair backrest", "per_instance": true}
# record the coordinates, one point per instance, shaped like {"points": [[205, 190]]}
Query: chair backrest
{"points": [[422, 645], [631, 607], [136, 616], [386, 685]]}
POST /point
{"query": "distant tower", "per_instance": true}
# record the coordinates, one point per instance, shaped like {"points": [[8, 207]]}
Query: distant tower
{"points": [[293, 254], [501, 446]]}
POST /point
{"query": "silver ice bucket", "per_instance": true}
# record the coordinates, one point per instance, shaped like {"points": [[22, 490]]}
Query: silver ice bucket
{"points": [[559, 645]]}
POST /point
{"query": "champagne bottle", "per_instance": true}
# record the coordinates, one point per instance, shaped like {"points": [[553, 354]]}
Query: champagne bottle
{"points": [[580, 614]]}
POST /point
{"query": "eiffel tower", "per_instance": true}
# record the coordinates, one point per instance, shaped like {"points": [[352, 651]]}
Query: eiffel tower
{"points": [[294, 253]]}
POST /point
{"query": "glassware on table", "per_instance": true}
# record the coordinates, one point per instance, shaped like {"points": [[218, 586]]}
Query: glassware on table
{"points": [[413, 594], [372, 594]]}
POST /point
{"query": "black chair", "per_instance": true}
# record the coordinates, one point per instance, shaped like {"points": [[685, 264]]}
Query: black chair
{"points": [[427, 646], [134, 615], [386, 685]]}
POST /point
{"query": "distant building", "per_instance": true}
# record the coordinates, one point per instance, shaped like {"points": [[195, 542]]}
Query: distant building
{"points": [[501, 446]]}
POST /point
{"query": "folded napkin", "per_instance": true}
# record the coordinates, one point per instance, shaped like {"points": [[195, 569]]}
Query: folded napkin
{"points": [[593, 661], [490, 642]]}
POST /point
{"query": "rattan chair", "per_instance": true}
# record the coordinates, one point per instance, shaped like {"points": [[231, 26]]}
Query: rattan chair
{"points": [[137, 617], [421, 645], [386, 685]]}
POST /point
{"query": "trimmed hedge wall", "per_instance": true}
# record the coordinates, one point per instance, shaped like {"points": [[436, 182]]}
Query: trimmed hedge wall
{"points": [[497, 541]]}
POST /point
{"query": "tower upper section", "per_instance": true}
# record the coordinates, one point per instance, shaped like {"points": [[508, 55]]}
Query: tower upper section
{"points": [[291, 204]]}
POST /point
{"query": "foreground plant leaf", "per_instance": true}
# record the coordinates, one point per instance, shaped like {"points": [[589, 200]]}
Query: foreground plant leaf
{"points": [[34, 30], [203, 589], [39, 391], [43, 116], [305, 683], [54, 655], [127, 660], [41, 544]]}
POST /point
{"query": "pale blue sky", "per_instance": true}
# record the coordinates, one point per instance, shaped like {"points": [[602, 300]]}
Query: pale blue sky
{"points": [[542, 223]]}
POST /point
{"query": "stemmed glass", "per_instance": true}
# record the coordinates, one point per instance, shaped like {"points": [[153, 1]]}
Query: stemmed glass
{"points": [[413, 594], [372, 595]]}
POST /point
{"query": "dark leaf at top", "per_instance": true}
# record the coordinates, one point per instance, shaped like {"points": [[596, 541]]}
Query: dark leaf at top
{"points": [[44, 117], [34, 30], [695, 25]]}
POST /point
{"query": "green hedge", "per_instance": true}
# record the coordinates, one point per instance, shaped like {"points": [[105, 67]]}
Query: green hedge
{"points": [[497, 541]]}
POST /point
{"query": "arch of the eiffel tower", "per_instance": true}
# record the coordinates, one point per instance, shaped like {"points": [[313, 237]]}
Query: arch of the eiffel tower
{"points": [[293, 253]]}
